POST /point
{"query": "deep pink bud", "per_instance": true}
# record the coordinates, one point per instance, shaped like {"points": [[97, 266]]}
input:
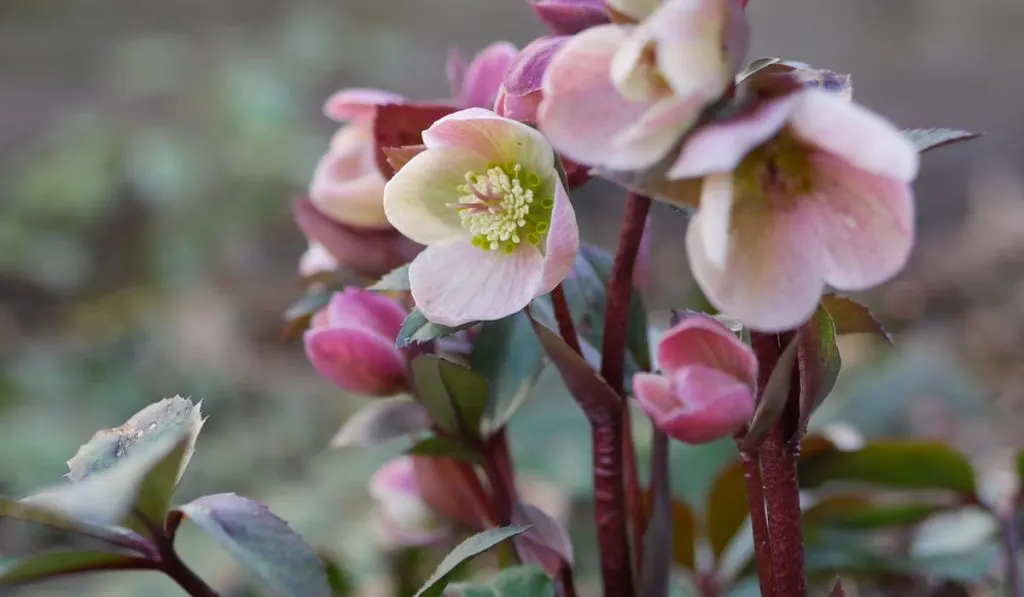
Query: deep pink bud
{"points": [[352, 343], [483, 76], [567, 17], [405, 518], [707, 386], [522, 85]]}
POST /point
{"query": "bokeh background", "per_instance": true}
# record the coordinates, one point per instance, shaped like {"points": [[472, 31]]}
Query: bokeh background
{"points": [[148, 152]]}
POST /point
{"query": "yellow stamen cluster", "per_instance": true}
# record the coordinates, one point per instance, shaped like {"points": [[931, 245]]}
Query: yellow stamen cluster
{"points": [[501, 207]]}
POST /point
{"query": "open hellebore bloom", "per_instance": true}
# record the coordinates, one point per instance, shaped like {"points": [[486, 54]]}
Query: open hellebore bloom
{"points": [[707, 383], [347, 186], [620, 96], [351, 342], [803, 190], [405, 518], [485, 198]]}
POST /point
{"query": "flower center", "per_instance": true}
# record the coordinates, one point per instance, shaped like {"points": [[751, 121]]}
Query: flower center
{"points": [[777, 173], [503, 207]]}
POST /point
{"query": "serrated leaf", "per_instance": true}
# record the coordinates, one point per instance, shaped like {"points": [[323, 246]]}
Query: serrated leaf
{"points": [[416, 329], [851, 317], [727, 508], [776, 393], [307, 305], [27, 512], [261, 542], [896, 464], [447, 447], [926, 139], [818, 363], [856, 512], [589, 389], [463, 552], [518, 581], [396, 280], [507, 353], [454, 396], [150, 425], [382, 420], [17, 571]]}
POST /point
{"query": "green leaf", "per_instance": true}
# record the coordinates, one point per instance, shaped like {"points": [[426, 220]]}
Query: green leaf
{"points": [[818, 363], [382, 420], [773, 401], [416, 329], [507, 353], [447, 447], [468, 392], [851, 317], [590, 390], [454, 396], [518, 581], [897, 464], [17, 571], [396, 279], [263, 543], [464, 551], [726, 508], [926, 139], [307, 305], [861, 513], [28, 512]]}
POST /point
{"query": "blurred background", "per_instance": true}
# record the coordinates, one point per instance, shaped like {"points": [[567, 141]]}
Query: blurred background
{"points": [[149, 150]]}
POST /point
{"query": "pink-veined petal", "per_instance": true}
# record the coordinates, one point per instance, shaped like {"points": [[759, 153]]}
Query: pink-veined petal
{"points": [[526, 74], [720, 146], [359, 308], [653, 393], [356, 360], [562, 243], [770, 281], [713, 404], [584, 114], [700, 340], [456, 283], [864, 223], [418, 199], [500, 140], [485, 73], [358, 103], [853, 133]]}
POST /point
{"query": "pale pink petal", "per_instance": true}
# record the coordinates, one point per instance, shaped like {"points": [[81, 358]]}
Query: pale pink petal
{"points": [[359, 308], [484, 75], [713, 405], [358, 103], [720, 146], [562, 243], [661, 127], [526, 75], [418, 199], [853, 133], [654, 395], [864, 223], [567, 17], [346, 184], [356, 360], [396, 477], [499, 139], [518, 107], [316, 260], [771, 280], [716, 216], [584, 114], [635, 9], [456, 283], [700, 340], [455, 70], [545, 544]]}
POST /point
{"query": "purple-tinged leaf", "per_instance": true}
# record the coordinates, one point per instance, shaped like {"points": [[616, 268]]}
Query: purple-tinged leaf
{"points": [[398, 125], [546, 543], [590, 390], [381, 421], [260, 541], [726, 508], [837, 589], [27, 512], [852, 317], [818, 363], [776, 394], [19, 571], [440, 446], [928, 139], [471, 547]]}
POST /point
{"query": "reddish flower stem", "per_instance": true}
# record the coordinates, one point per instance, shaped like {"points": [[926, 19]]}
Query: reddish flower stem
{"points": [[1011, 546], [563, 316], [634, 497], [758, 522]]}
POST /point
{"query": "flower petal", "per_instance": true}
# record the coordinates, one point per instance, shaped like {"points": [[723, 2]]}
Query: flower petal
{"points": [[720, 146], [359, 308], [635, 9], [770, 280], [584, 114], [563, 241], [498, 139], [713, 404], [316, 260], [567, 17], [700, 340], [356, 360], [854, 133], [346, 184], [484, 75], [654, 395], [417, 198], [864, 222], [358, 103], [526, 74], [456, 283], [395, 478]]}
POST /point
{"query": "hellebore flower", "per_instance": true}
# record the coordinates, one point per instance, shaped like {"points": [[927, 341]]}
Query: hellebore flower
{"points": [[406, 518], [621, 96], [485, 198], [707, 383], [351, 342], [568, 17], [521, 91], [476, 85], [803, 190]]}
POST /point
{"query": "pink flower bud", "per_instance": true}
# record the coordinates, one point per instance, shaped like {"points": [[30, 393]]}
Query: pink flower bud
{"points": [[707, 386], [405, 518], [567, 17], [352, 343], [452, 489], [520, 92]]}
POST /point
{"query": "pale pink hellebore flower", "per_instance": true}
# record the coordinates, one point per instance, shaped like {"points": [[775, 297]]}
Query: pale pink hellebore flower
{"points": [[405, 517], [351, 342], [707, 384], [805, 190], [620, 97], [486, 200]]}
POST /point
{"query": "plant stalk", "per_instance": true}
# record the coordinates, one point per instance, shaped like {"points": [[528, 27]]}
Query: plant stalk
{"points": [[1011, 545], [758, 522]]}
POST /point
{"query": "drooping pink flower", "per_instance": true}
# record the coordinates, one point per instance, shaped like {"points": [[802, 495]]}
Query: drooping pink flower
{"points": [[406, 519], [486, 200], [568, 17], [351, 342], [621, 96], [805, 189], [707, 383]]}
